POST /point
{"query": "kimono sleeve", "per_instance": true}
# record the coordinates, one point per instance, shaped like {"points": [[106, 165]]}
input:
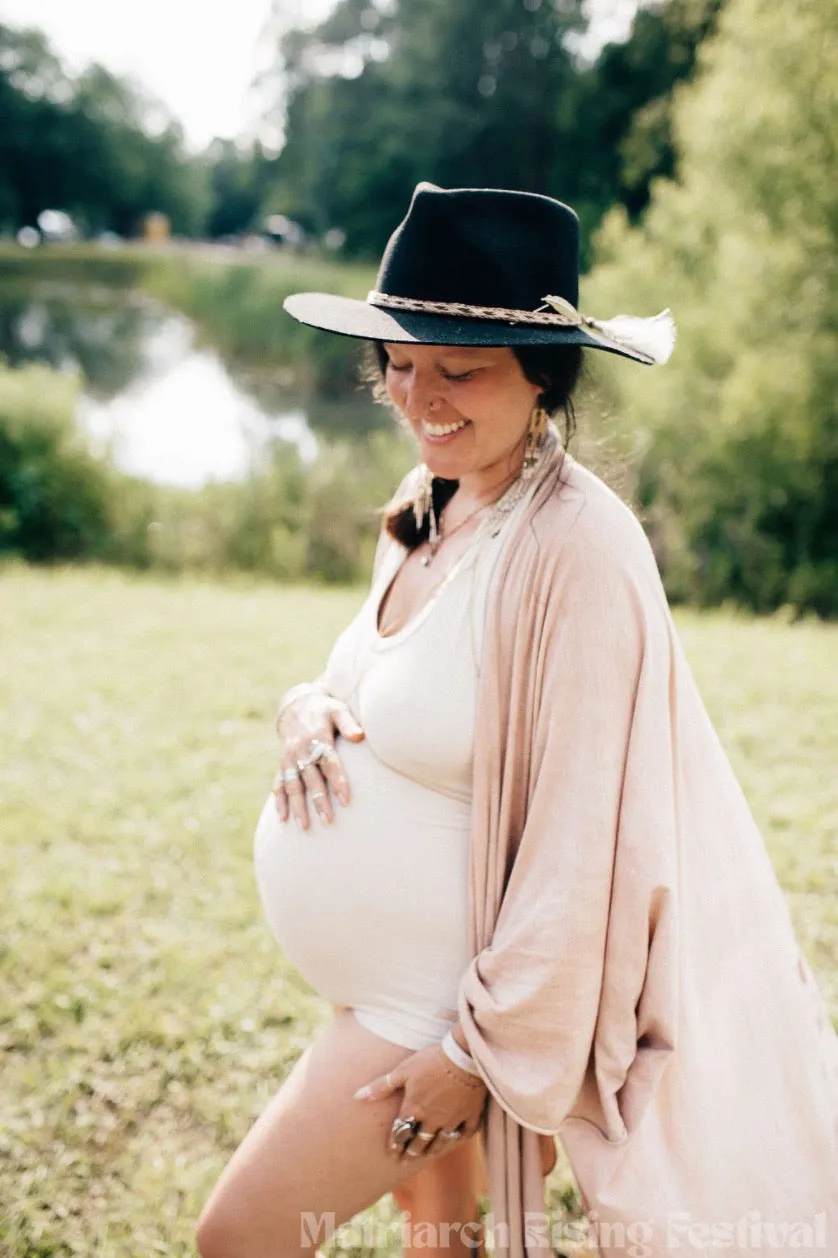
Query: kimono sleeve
{"points": [[577, 982]]}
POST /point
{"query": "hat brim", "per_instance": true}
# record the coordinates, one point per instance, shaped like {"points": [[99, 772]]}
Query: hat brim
{"points": [[349, 316]]}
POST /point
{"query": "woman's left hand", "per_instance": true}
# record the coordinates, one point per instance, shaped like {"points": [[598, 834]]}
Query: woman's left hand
{"points": [[438, 1094]]}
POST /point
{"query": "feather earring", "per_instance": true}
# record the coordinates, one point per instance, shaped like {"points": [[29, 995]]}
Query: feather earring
{"points": [[423, 500], [535, 439]]}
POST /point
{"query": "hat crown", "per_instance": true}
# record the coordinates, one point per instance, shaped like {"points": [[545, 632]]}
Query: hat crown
{"points": [[483, 247]]}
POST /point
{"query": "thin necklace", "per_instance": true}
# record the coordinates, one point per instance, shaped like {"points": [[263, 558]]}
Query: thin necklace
{"points": [[501, 507], [436, 539]]}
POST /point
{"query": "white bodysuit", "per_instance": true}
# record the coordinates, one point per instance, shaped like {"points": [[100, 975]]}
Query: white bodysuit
{"points": [[372, 910]]}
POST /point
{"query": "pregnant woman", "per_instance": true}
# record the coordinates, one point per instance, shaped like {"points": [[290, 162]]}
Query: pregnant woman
{"points": [[505, 842]]}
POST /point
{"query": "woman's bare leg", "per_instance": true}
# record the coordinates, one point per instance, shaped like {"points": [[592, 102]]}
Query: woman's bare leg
{"points": [[440, 1203], [316, 1157]]}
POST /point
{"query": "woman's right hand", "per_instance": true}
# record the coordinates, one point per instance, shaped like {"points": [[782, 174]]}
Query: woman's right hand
{"points": [[310, 719]]}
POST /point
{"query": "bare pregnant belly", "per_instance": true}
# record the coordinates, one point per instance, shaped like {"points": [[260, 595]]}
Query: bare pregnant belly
{"points": [[372, 911]]}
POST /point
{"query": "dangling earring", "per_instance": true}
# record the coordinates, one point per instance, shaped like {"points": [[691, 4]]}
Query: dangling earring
{"points": [[423, 504], [424, 496], [535, 440]]}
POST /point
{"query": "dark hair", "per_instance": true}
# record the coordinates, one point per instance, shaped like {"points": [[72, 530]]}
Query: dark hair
{"points": [[555, 367]]}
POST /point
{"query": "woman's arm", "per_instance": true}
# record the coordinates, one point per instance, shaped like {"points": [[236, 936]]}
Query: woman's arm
{"points": [[575, 810], [307, 715], [455, 1048]]}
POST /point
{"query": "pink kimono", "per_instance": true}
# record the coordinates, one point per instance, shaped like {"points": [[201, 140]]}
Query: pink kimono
{"points": [[636, 988]]}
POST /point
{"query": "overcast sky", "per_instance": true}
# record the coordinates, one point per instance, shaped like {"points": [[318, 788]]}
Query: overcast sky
{"points": [[198, 56]]}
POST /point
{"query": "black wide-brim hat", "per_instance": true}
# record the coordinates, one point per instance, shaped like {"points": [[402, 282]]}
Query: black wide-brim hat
{"points": [[483, 266]]}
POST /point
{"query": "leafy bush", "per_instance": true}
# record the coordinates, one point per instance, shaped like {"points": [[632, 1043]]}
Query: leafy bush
{"points": [[739, 433], [60, 501], [54, 493]]}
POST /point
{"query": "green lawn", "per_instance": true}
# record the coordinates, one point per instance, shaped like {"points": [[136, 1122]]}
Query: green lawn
{"points": [[145, 1013]]}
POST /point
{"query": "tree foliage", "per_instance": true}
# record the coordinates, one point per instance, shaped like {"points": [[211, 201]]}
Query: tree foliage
{"points": [[740, 470], [239, 182], [54, 495], [94, 146], [625, 102], [469, 94], [374, 99]]}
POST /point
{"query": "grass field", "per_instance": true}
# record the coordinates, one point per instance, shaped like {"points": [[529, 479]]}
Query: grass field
{"points": [[145, 1013]]}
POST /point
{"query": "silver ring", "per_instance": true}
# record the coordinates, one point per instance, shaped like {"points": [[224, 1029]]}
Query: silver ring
{"points": [[289, 776], [451, 1135], [413, 1153], [403, 1124], [318, 794], [425, 1135], [316, 751]]}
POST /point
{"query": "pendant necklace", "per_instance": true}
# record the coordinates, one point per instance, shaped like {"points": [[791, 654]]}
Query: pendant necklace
{"points": [[502, 506]]}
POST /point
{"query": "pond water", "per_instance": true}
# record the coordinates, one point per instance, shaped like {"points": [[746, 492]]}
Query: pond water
{"points": [[167, 407]]}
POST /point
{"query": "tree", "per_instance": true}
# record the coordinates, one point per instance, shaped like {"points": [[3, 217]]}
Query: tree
{"points": [[95, 146], [740, 430], [464, 93], [455, 91], [239, 179], [623, 106]]}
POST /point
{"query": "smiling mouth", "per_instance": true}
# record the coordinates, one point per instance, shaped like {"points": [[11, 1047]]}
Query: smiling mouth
{"points": [[443, 430]]}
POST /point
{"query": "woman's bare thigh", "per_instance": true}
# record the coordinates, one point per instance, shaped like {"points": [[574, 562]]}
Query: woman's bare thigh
{"points": [[314, 1152]]}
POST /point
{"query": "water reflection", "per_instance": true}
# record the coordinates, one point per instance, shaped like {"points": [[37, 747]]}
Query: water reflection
{"points": [[186, 423], [95, 330], [166, 408]]}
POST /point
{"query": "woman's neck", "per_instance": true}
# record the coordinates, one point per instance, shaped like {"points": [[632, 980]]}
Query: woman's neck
{"points": [[487, 485]]}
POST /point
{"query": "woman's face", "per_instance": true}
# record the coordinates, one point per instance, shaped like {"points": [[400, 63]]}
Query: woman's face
{"points": [[469, 407]]}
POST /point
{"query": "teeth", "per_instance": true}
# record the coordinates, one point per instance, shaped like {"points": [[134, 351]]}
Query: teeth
{"points": [[441, 430]]}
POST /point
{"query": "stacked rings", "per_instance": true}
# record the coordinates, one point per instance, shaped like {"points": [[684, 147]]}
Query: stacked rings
{"points": [[402, 1125], [316, 751]]}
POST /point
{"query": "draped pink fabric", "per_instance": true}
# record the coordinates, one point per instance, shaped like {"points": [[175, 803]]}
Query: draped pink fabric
{"points": [[636, 988]]}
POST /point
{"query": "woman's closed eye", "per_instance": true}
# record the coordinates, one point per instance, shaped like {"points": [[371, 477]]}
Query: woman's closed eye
{"points": [[451, 376]]}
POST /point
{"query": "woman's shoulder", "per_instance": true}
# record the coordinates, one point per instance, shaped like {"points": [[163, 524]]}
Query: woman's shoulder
{"points": [[581, 516], [588, 548]]}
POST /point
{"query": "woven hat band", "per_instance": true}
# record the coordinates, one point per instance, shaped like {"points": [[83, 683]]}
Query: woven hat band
{"points": [[462, 310], [652, 339]]}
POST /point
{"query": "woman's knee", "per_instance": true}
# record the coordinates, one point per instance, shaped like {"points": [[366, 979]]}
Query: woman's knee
{"points": [[448, 1184]]}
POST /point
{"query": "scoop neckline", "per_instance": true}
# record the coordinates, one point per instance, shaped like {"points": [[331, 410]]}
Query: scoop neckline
{"points": [[384, 640]]}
